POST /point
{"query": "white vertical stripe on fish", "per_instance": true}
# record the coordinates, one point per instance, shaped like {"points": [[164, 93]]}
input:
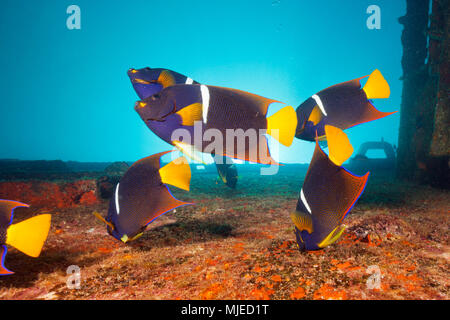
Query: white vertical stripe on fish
{"points": [[302, 196], [205, 101], [319, 103], [117, 199]]}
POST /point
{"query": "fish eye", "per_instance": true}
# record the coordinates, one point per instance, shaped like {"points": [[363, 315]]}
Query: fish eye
{"points": [[156, 96]]}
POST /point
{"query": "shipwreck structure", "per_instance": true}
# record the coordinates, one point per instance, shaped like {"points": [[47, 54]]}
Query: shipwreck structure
{"points": [[424, 146]]}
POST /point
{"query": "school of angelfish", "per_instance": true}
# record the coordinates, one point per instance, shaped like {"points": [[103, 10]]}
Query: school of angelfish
{"points": [[171, 101]]}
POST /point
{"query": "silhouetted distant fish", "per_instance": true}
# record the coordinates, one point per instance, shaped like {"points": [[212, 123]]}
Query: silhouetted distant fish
{"points": [[328, 194], [27, 236], [227, 172], [142, 195], [343, 106]]}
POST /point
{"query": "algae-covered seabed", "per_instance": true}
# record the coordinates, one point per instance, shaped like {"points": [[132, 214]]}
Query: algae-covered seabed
{"points": [[240, 245]]}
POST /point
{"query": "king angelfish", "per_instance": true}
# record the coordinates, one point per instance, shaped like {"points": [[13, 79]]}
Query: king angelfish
{"points": [[142, 195], [221, 110], [343, 106], [328, 194]]}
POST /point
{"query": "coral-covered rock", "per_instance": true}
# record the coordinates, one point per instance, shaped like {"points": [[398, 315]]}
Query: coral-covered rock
{"points": [[49, 195]]}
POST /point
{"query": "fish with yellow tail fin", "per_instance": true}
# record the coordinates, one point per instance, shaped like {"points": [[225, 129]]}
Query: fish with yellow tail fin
{"points": [[222, 110], [142, 195], [344, 105], [27, 236], [328, 194]]}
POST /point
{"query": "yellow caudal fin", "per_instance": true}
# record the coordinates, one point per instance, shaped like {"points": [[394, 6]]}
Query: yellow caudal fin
{"points": [[302, 221], [376, 86], [29, 236], [315, 116], [339, 146], [332, 237], [189, 150], [282, 125], [177, 173], [191, 114], [166, 79]]}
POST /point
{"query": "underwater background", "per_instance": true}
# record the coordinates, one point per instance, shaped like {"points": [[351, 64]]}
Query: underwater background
{"points": [[69, 132], [66, 94]]}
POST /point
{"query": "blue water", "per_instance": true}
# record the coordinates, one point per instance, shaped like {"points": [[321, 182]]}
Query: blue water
{"points": [[65, 93]]}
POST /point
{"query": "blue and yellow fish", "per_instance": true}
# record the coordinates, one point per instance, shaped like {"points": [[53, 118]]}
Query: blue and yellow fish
{"points": [[328, 194], [344, 105], [142, 195], [221, 110]]}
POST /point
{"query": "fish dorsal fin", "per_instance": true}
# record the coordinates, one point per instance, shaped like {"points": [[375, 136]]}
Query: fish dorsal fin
{"points": [[189, 150], [260, 102], [316, 115], [302, 221], [376, 86], [6, 210], [282, 125], [176, 173], [29, 236], [3, 270], [332, 237], [166, 79], [339, 146], [190, 114]]}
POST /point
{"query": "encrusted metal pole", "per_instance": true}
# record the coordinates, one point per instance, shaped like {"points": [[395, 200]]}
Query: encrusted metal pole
{"points": [[415, 78]]}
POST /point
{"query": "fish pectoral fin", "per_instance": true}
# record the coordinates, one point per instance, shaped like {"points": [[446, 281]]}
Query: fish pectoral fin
{"points": [[176, 173], [302, 221], [340, 148], [29, 236], [100, 217], [316, 115], [282, 125], [166, 79], [190, 114], [332, 237], [3, 270], [376, 86], [189, 150]]}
